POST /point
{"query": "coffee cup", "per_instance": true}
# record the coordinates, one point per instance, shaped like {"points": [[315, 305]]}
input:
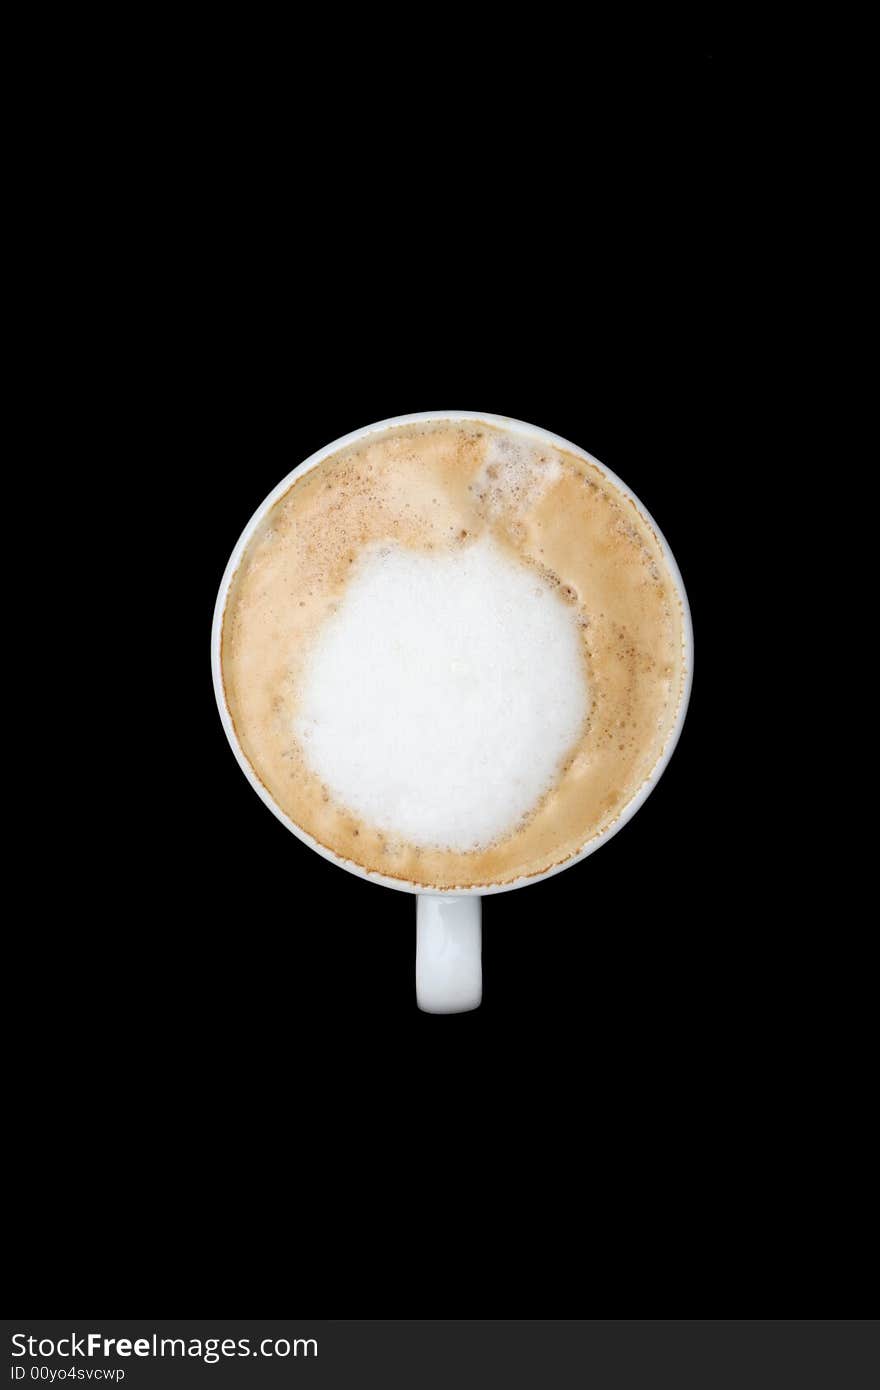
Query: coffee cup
{"points": [[527, 470]]}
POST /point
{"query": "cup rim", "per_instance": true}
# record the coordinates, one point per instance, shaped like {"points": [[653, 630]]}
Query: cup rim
{"points": [[514, 426]]}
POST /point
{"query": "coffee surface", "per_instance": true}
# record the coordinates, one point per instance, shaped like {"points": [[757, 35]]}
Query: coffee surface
{"points": [[453, 653]]}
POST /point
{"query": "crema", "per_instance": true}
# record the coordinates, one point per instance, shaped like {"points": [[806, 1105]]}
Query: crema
{"points": [[453, 654]]}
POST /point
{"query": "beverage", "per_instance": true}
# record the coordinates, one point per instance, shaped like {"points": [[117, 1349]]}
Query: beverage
{"points": [[453, 654]]}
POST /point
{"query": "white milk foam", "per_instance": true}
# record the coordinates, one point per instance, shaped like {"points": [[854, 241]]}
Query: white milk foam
{"points": [[440, 700]]}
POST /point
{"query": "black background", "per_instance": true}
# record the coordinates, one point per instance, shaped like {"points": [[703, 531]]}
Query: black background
{"points": [[261, 1001], [222, 1081]]}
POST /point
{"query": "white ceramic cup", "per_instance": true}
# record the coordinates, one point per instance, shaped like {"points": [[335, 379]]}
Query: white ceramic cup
{"points": [[448, 922]]}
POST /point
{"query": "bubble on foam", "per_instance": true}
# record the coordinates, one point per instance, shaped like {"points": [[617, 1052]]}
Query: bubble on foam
{"points": [[514, 474], [442, 699]]}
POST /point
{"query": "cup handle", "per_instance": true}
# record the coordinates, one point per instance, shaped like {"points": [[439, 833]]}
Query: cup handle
{"points": [[449, 970]]}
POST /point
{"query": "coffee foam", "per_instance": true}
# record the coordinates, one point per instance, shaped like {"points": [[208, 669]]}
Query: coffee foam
{"points": [[441, 700], [453, 493]]}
